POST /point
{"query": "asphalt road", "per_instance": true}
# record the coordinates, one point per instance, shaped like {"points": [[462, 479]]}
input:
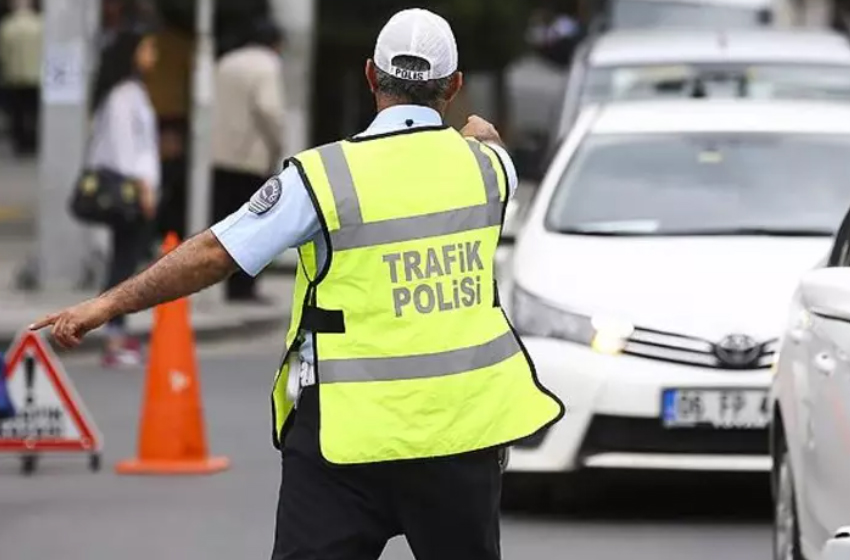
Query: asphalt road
{"points": [[67, 512]]}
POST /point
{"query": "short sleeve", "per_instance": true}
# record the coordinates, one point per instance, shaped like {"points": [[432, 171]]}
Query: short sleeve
{"points": [[270, 223]]}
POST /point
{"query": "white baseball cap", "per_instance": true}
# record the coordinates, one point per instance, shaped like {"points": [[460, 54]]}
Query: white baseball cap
{"points": [[421, 34]]}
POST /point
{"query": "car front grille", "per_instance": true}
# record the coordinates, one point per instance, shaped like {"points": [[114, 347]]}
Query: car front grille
{"points": [[681, 349], [610, 434]]}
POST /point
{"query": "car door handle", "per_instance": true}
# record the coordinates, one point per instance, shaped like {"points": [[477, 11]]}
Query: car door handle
{"points": [[825, 363]]}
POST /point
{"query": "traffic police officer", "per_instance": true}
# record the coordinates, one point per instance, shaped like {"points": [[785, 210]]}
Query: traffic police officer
{"points": [[402, 380]]}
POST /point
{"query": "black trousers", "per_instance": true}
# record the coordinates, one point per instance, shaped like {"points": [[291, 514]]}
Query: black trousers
{"points": [[447, 508], [128, 247], [172, 209], [232, 189], [23, 106]]}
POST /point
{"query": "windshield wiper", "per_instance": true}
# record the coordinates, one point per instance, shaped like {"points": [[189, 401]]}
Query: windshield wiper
{"points": [[752, 231]]}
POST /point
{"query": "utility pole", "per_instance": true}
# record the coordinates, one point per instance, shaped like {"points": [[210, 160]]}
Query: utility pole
{"points": [[297, 18], [70, 30], [200, 172], [198, 208]]}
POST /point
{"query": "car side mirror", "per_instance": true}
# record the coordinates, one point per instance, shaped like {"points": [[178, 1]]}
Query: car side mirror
{"points": [[826, 291]]}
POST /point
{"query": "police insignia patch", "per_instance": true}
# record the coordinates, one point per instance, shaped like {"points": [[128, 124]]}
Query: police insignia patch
{"points": [[266, 197]]}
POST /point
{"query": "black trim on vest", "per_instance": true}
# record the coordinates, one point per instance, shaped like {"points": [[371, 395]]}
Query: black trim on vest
{"points": [[309, 300], [321, 216], [403, 131], [320, 320]]}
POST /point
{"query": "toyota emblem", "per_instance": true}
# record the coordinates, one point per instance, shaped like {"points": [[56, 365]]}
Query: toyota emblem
{"points": [[738, 351]]}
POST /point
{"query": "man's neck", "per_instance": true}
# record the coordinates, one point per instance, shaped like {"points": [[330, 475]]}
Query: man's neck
{"points": [[382, 103]]}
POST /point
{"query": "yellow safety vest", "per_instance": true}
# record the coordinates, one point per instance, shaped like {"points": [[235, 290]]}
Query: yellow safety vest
{"points": [[414, 356]]}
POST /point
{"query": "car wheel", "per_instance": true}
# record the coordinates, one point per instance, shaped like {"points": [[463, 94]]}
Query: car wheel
{"points": [[786, 527]]}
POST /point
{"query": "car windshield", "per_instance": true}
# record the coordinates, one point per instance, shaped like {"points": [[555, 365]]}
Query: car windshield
{"points": [[762, 81], [704, 184], [636, 14]]}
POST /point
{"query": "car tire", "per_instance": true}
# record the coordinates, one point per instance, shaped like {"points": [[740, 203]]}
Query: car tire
{"points": [[786, 526]]}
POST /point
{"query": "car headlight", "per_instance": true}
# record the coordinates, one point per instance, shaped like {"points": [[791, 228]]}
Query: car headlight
{"points": [[532, 317]]}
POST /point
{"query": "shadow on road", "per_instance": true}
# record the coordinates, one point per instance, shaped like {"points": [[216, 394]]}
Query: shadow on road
{"points": [[653, 498]]}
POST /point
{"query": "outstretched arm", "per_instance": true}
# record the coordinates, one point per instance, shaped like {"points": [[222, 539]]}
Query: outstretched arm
{"points": [[196, 264]]}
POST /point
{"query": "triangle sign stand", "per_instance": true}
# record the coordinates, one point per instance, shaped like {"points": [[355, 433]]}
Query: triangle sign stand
{"points": [[49, 414]]}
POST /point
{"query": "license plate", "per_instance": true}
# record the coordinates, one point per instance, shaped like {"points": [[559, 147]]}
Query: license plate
{"points": [[718, 408]]}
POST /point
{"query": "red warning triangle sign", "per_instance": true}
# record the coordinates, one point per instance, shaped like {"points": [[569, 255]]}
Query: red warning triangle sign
{"points": [[50, 415]]}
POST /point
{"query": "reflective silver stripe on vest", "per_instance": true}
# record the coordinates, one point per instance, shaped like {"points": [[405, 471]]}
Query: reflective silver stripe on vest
{"points": [[419, 367], [491, 180], [342, 184], [354, 233], [417, 227]]}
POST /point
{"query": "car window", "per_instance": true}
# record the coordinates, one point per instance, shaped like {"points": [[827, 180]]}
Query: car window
{"points": [[704, 184], [638, 14], [758, 81]]}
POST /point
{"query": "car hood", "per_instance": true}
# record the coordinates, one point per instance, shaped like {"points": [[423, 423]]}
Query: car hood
{"points": [[706, 287]]}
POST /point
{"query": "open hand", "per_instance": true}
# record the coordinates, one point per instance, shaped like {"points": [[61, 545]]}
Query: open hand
{"points": [[481, 130], [71, 325]]}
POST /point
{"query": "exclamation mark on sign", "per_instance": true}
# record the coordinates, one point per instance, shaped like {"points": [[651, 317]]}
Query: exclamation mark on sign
{"points": [[29, 374]]}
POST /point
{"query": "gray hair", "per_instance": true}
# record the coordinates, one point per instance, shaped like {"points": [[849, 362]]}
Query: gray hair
{"points": [[428, 93]]}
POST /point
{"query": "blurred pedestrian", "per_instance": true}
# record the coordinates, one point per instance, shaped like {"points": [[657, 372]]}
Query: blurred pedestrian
{"points": [[170, 87], [21, 34], [402, 383], [248, 130], [124, 140]]}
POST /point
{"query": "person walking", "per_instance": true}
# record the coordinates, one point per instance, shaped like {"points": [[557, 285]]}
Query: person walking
{"points": [[124, 141], [403, 382], [21, 33], [248, 128]]}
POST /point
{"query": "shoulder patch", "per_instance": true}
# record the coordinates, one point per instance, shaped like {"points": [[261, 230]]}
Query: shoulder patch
{"points": [[266, 197]]}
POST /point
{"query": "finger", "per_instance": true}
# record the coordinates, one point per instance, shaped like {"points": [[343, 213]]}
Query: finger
{"points": [[61, 332], [44, 322]]}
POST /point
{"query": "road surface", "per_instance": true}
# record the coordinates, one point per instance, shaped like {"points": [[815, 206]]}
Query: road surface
{"points": [[67, 512]]}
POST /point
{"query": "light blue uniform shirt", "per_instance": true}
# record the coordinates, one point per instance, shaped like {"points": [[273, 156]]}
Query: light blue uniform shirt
{"points": [[255, 240]]}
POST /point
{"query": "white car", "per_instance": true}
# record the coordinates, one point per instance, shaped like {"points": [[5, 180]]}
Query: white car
{"points": [[810, 435], [632, 14], [651, 275], [703, 63]]}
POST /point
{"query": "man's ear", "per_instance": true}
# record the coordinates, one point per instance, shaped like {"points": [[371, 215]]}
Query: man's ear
{"points": [[455, 85], [371, 75]]}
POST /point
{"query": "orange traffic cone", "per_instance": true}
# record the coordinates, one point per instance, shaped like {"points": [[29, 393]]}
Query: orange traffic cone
{"points": [[171, 439]]}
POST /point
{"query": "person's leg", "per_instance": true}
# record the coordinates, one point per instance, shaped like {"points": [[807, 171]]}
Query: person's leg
{"points": [[124, 259], [325, 513], [32, 113], [449, 508], [17, 124]]}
